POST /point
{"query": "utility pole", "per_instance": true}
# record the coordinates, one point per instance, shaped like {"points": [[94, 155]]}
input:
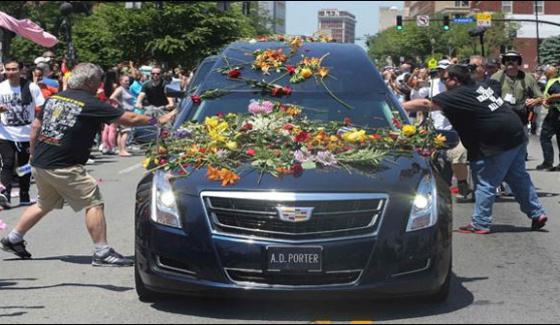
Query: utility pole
{"points": [[538, 36]]}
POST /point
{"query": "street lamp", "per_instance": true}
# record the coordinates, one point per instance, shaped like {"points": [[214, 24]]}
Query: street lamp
{"points": [[66, 29]]}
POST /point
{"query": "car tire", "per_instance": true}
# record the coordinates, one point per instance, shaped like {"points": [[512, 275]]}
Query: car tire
{"points": [[144, 294]]}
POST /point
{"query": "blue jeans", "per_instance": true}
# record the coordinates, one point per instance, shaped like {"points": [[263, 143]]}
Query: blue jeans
{"points": [[490, 172]]}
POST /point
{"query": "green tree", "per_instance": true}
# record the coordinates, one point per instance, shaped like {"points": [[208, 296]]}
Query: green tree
{"points": [[550, 50], [418, 43]]}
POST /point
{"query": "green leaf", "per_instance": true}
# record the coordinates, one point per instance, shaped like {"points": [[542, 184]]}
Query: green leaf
{"points": [[309, 165]]}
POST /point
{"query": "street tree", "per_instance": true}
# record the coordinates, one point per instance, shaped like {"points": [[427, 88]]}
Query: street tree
{"points": [[550, 50]]}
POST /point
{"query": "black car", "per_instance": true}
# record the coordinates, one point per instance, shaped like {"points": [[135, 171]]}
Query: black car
{"points": [[378, 234]]}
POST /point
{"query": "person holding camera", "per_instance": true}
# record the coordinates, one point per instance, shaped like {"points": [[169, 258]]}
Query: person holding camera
{"points": [[519, 89]]}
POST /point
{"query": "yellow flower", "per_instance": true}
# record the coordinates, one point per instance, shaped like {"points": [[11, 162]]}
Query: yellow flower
{"points": [[333, 138], [323, 72], [355, 136], [213, 174], [409, 130], [296, 42], [232, 145], [216, 136], [211, 122], [293, 111], [146, 163], [306, 73], [440, 140]]}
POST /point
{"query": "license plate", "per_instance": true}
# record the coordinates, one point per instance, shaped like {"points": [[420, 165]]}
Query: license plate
{"points": [[294, 259]]}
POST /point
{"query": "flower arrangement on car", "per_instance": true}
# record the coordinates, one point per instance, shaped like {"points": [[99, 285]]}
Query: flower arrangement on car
{"points": [[277, 139]]}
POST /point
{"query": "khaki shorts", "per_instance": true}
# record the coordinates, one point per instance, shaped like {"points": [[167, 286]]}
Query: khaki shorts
{"points": [[457, 155], [72, 184]]}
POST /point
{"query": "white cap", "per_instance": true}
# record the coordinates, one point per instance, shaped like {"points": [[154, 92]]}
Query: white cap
{"points": [[42, 60], [443, 64]]}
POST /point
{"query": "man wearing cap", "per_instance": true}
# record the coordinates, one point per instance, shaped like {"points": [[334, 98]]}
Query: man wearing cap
{"points": [[519, 89]]}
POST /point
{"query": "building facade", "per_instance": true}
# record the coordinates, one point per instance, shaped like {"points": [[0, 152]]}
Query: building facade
{"points": [[276, 11], [340, 25], [388, 17]]}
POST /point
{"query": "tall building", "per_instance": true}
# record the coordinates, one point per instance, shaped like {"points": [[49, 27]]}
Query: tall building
{"points": [[415, 8], [276, 11], [340, 25], [388, 17]]}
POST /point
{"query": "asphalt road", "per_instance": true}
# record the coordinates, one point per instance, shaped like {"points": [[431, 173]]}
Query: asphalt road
{"points": [[511, 276]]}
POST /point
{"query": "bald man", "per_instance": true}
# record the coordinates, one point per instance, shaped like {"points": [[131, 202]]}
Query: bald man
{"points": [[551, 125]]}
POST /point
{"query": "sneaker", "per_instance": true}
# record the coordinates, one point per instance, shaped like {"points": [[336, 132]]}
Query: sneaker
{"points": [[555, 169], [4, 203], [544, 166], [90, 162], [470, 229], [18, 249], [539, 223], [111, 258]]}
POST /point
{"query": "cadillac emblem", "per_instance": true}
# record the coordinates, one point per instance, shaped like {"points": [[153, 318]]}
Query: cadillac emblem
{"points": [[291, 214]]}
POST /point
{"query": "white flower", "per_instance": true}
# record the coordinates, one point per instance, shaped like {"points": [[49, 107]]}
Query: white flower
{"points": [[326, 158]]}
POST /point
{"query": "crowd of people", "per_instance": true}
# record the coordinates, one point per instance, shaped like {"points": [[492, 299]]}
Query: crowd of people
{"points": [[486, 109], [127, 86]]}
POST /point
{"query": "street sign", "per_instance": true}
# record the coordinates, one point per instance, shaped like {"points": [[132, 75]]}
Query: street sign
{"points": [[484, 19], [463, 20], [423, 21]]}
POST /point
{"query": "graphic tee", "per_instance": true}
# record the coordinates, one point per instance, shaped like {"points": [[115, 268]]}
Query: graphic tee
{"points": [[486, 124], [71, 119], [15, 124]]}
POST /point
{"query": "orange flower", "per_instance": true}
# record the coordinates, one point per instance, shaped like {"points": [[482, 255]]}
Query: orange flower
{"points": [[323, 72], [213, 174], [228, 177]]}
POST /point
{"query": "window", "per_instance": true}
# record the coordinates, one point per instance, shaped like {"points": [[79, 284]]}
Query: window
{"points": [[540, 7], [461, 4], [507, 7]]}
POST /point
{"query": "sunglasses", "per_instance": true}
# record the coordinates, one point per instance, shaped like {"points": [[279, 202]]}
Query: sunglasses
{"points": [[155, 74]]}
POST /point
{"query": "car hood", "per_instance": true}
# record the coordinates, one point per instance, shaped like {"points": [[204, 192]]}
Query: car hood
{"points": [[398, 173]]}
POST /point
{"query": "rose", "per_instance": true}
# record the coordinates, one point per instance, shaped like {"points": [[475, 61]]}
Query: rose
{"points": [[409, 130], [297, 170], [196, 99], [276, 91], [291, 69], [234, 73], [306, 73], [287, 90], [251, 152], [302, 137]]}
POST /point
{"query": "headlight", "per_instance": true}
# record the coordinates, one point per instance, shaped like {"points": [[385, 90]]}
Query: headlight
{"points": [[164, 205], [424, 206]]}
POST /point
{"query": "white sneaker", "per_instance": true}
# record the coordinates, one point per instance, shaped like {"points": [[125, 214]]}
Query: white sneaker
{"points": [[90, 162]]}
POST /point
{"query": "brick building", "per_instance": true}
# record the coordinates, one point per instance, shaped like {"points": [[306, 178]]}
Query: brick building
{"points": [[526, 40]]}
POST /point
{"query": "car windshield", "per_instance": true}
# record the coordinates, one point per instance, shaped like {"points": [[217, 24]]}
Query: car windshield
{"points": [[353, 88]]}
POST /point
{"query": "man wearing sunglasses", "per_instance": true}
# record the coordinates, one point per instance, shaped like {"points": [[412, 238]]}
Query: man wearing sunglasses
{"points": [[154, 92], [519, 89]]}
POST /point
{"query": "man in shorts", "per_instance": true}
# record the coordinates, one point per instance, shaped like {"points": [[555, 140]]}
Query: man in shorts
{"points": [[61, 138]]}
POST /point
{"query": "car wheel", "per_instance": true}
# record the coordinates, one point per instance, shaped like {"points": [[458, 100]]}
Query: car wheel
{"points": [[144, 294]]}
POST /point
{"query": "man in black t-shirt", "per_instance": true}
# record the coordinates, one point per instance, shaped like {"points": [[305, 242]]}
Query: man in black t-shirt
{"points": [[61, 138], [495, 139], [154, 92]]}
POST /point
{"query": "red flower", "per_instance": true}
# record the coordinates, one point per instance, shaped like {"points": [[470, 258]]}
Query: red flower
{"points": [[234, 73], [196, 99], [247, 126], [287, 91], [202, 150], [288, 127], [162, 162], [397, 123], [347, 121], [164, 134], [377, 136], [251, 152], [291, 69], [297, 169], [220, 114], [302, 137], [277, 91]]}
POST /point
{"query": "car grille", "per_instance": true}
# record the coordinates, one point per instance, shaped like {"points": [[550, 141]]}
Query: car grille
{"points": [[256, 214], [306, 279]]}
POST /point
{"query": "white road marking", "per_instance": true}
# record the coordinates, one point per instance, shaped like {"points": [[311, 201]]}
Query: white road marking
{"points": [[130, 169]]}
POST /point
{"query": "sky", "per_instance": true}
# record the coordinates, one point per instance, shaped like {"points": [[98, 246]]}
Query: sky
{"points": [[302, 16]]}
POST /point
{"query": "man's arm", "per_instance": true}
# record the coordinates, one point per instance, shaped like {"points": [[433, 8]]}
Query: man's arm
{"points": [[132, 119], [420, 104]]}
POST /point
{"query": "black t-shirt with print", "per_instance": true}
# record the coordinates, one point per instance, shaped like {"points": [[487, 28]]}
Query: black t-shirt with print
{"points": [[553, 111], [486, 124], [71, 120], [155, 95]]}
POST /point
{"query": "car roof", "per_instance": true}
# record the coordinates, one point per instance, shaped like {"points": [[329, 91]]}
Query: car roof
{"points": [[351, 70]]}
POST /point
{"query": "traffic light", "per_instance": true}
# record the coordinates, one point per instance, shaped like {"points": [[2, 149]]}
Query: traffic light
{"points": [[446, 26], [399, 23]]}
